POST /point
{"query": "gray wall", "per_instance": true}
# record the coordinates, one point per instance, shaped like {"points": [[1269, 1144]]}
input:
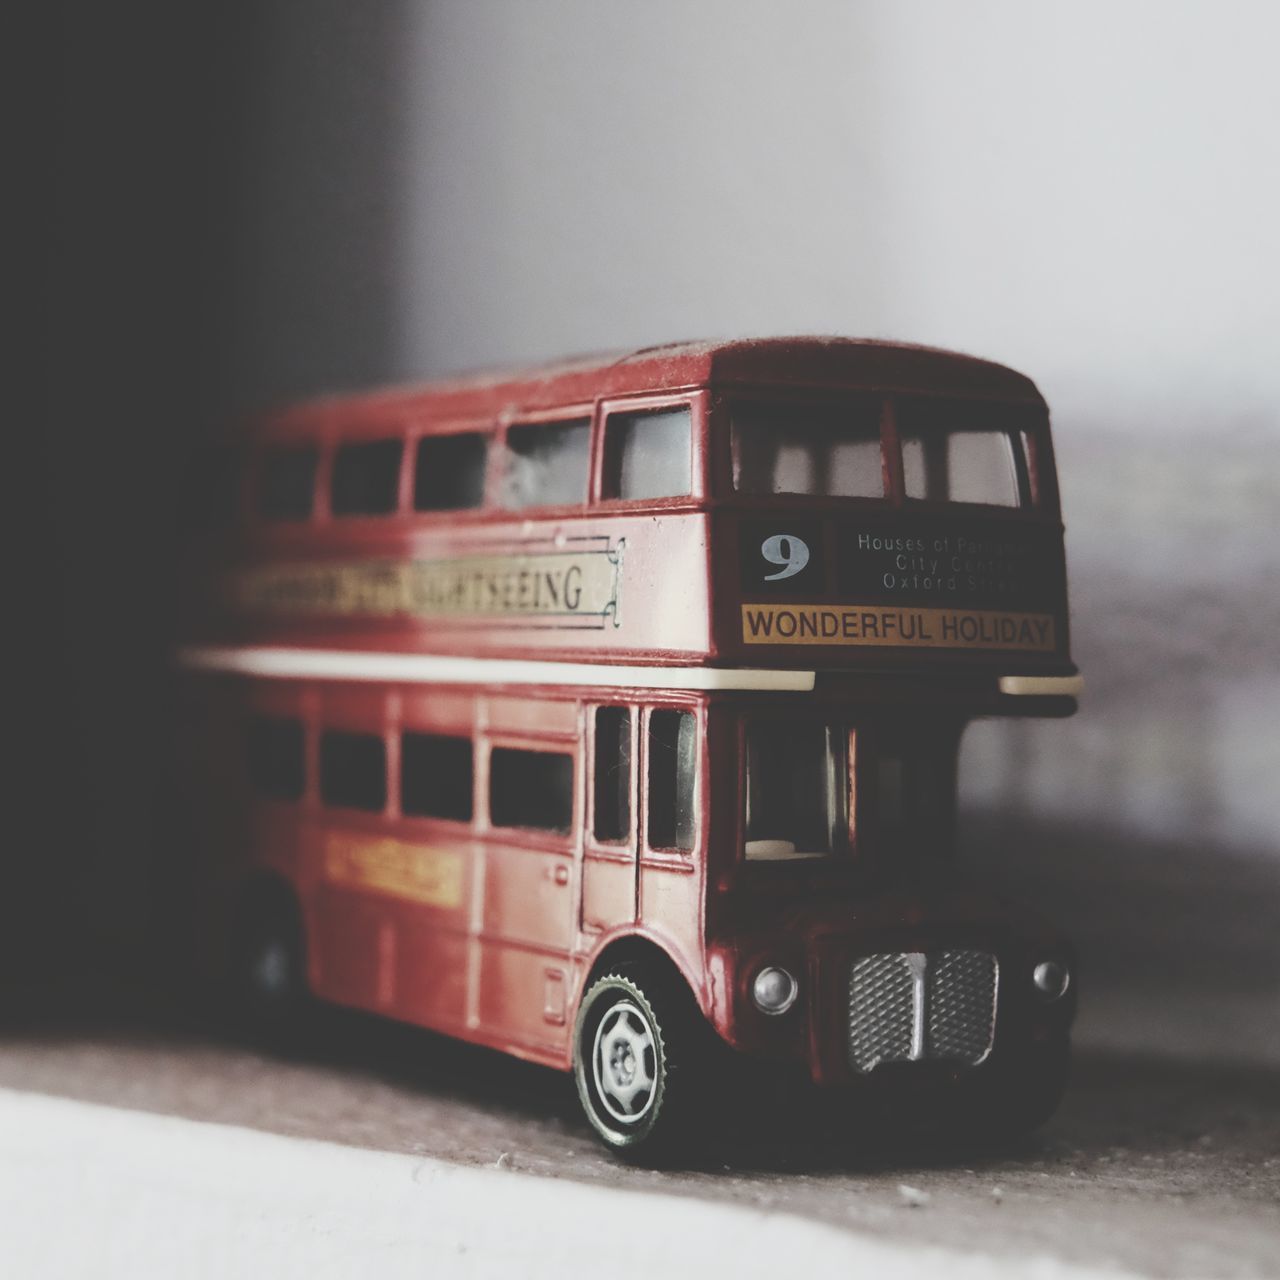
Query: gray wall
{"points": [[1087, 192]]}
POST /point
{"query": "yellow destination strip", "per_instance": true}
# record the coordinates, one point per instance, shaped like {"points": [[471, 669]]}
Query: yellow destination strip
{"points": [[897, 626], [571, 584], [416, 873]]}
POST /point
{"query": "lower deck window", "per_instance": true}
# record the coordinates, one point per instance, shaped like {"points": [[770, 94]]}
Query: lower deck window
{"points": [[613, 773], [797, 790], [673, 758], [435, 776], [353, 770], [531, 789]]}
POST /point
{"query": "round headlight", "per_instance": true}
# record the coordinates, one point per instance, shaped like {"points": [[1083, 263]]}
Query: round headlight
{"points": [[1051, 978], [774, 990]]}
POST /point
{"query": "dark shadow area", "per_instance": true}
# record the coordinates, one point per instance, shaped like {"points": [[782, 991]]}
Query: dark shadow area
{"points": [[215, 226], [121, 1046], [1166, 1166], [1164, 928]]}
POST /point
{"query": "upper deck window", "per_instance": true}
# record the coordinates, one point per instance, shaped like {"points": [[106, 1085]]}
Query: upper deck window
{"points": [[819, 450], [286, 482], [353, 770], [547, 464], [449, 472], [649, 454], [960, 453], [366, 478]]}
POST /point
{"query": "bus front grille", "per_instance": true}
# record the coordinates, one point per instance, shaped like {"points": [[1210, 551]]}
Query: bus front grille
{"points": [[907, 1006]]}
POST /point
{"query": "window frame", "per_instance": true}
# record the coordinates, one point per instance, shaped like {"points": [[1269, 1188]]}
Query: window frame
{"points": [[1024, 420], [500, 454], [670, 856], [818, 398], [852, 850], [390, 765], [623, 849], [391, 433], [697, 403], [535, 837], [405, 730], [489, 430], [774, 393]]}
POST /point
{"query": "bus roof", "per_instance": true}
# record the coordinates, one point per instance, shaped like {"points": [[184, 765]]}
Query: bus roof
{"points": [[797, 361]]}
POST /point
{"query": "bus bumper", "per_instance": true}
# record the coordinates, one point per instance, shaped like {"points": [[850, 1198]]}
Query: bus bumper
{"points": [[919, 1023]]}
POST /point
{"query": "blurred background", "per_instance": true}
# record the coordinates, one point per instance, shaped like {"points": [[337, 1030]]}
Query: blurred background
{"points": [[243, 203]]}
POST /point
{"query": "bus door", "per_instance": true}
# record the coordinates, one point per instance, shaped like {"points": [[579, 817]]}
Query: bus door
{"points": [[528, 924], [609, 870], [673, 845]]}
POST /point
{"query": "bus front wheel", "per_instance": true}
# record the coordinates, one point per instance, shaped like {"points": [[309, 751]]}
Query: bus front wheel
{"points": [[635, 1063]]}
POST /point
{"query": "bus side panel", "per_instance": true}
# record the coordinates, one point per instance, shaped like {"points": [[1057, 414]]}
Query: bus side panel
{"points": [[527, 931], [429, 878], [626, 587], [431, 969], [670, 906], [347, 951]]}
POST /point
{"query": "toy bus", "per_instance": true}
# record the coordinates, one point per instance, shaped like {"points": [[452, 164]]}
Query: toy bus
{"points": [[607, 714]]}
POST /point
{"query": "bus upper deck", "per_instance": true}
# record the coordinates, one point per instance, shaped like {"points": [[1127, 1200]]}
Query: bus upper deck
{"points": [[794, 506]]}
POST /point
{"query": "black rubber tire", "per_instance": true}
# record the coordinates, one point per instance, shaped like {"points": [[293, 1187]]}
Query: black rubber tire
{"points": [[665, 1015], [1016, 1104], [270, 997]]}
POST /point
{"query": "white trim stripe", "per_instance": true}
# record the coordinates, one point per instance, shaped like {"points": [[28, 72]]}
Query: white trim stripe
{"points": [[1042, 686], [415, 668]]}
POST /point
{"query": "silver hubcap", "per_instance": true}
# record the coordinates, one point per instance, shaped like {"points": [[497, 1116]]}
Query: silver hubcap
{"points": [[623, 1063]]}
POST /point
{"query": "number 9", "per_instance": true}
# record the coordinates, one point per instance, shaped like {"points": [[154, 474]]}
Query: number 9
{"points": [[786, 550]]}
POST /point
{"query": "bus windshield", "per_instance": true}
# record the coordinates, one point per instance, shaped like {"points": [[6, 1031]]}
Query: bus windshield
{"points": [[951, 451], [954, 452], [802, 801], [822, 450], [797, 790]]}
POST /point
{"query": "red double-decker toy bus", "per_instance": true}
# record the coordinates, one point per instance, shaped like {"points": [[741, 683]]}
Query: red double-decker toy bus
{"points": [[608, 713]]}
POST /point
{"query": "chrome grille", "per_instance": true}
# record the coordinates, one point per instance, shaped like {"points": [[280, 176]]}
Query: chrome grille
{"points": [[881, 1010], [962, 1005], [906, 1006]]}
